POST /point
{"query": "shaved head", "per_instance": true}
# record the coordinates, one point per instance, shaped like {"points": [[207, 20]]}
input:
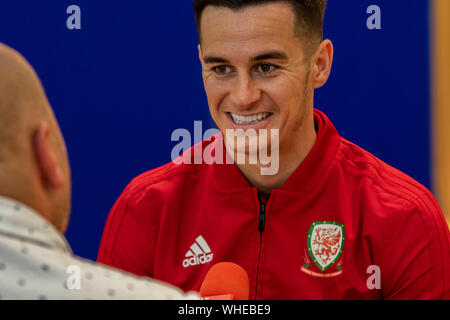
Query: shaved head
{"points": [[34, 165], [21, 100]]}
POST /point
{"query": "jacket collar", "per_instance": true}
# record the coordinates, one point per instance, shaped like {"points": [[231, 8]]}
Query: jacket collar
{"points": [[307, 175]]}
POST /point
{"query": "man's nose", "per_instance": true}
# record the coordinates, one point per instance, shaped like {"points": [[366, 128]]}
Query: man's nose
{"points": [[245, 92]]}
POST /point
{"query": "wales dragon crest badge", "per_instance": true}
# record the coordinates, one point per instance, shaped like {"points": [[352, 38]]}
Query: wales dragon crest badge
{"points": [[325, 245]]}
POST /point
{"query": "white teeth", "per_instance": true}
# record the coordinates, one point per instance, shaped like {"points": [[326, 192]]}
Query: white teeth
{"points": [[238, 119]]}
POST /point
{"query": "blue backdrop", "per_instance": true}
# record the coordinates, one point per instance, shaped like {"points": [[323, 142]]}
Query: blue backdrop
{"points": [[130, 76]]}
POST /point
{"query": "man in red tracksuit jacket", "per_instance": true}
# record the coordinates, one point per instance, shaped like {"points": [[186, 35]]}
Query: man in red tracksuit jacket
{"points": [[334, 222]]}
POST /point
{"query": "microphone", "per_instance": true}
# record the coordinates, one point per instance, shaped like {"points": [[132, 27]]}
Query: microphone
{"points": [[225, 281]]}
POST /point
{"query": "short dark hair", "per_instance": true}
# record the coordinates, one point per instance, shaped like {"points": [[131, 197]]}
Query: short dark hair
{"points": [[309, 13]]}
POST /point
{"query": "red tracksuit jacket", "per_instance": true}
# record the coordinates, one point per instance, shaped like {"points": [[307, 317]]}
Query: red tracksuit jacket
{"points": [[345, 225]]}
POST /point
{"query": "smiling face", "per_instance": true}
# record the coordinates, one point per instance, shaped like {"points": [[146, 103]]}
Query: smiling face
{"points": [[255, 70]]}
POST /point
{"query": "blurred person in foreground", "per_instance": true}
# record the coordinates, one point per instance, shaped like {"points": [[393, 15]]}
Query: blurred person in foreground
{"points": [[36, 262]]}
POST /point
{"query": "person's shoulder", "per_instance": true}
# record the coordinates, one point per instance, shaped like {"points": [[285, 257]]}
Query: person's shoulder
{"points": [[166, 179], [378, 180], [169, 172], [104, 282]]}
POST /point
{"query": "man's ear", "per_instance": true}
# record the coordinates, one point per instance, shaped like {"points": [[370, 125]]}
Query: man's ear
{"points": [[200, 54], [49, 168], [321, 64]]}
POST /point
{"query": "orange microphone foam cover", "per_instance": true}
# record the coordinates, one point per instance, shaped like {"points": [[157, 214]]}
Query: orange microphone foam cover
{"points": [[226, 278]]}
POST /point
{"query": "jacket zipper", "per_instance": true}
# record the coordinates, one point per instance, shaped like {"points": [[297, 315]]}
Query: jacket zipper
{"points": [[261, 227], [262, 217]]}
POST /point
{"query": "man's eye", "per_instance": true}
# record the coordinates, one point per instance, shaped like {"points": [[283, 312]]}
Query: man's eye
{"points": [[266, 68], [222, 70]]}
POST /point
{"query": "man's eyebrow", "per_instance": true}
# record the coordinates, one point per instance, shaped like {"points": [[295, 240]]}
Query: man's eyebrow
{"points": [[212, 59], [278, 55]]}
